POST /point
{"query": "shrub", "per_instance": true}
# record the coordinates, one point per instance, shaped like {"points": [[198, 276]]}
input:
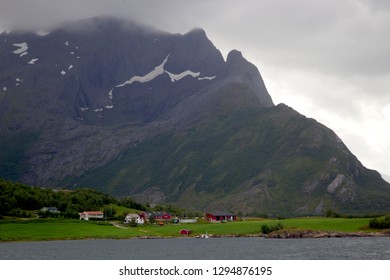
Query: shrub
{"points": [[379, 223], [329, 213], [71, 215], [133, 223], [265, 229]]}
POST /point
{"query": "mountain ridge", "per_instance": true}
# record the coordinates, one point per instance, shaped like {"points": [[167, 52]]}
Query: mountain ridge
{"points": [[129, 110]]}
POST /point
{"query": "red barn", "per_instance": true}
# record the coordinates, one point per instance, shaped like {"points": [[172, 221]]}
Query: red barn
{"points": [[185, 231], [220, 216]]}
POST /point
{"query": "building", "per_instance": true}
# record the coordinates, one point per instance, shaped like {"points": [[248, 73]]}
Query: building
{"points": [[161, 216], [185, 232], [157, 216], [220, 216], [50, 209], [86, 215], [188, 221], [137, 218]]}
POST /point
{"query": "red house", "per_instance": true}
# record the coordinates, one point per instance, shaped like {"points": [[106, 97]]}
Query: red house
{"points": [[185, 231], [220, 216], [161, 216], [158, 216]]}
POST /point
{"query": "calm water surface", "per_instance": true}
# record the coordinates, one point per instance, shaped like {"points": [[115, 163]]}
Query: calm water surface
{"points": [[201, 249]]}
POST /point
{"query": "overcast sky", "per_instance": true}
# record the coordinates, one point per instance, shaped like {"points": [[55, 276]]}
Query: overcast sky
{"points": [[329, 60]]}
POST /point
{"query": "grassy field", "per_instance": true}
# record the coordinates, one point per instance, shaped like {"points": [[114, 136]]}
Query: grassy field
{"points": [[35, 230]]}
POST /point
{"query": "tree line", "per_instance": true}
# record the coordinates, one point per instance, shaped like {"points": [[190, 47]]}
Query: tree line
{"points": [[17, 198]]}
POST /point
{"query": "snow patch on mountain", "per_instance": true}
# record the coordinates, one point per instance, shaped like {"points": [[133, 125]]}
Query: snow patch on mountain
{"points": [[83, 109], [22, 48], [109, 107], [66, 43], [158, 70], [177, 77], [207, 78], [42, 33], [4, 88], [63, 72], [32, 61], [70, 67], [111, 94]]}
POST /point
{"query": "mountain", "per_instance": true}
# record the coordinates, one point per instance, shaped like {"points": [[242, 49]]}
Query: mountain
{"points": [[131, 110]]}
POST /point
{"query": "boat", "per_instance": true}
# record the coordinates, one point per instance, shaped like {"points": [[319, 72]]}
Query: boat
{"points": [[205, 235]]}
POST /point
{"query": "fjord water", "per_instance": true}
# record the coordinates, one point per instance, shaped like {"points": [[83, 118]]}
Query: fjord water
{"points": [[369, 248]]}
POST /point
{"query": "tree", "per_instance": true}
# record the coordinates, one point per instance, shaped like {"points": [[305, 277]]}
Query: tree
{"points": [[133, 222], [109, 211]]}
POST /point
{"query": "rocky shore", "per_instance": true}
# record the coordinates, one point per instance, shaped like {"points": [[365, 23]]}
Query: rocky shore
{"points": [[286, 234]]}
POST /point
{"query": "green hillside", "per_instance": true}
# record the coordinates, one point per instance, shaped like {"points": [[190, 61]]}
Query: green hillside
{"points": [[259, 160]]}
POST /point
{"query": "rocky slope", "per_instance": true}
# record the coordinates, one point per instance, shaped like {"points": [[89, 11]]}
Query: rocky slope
{"points": [[131, 110]]}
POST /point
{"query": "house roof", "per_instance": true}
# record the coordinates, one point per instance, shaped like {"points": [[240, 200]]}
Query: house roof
{"points": [[49, 209], [132, 215], [220, 213], [155, 214], [93, 212]]}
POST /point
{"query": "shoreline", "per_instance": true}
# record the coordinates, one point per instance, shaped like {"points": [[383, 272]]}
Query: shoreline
{"points": [[281, 234], [296, 234], [51, 230]]}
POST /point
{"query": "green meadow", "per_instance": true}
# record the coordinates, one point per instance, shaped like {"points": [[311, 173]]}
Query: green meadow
{"points": [[61, 229]]}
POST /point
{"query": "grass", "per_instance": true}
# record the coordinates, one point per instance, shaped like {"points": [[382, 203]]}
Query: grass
{"points": [[59, 229], [35, 230], [119, 210], [327, 224]]}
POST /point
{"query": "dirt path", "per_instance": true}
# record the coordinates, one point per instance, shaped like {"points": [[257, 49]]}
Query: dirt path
{"points": [[118, 225]]}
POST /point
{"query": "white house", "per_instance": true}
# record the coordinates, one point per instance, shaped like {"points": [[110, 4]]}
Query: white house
{"points": [[136, 217], [188, 221], [86, 215]]}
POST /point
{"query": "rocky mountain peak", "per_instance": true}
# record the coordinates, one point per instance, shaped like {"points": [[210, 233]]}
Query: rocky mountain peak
{"points": [[234, 56], [242, 71], [197, 32]]}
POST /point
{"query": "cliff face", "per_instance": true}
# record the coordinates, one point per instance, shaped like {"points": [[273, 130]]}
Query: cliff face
{"points": [[135, 111]]}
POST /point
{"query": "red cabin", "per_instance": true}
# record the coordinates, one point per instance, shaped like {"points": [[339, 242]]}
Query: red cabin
{"points": [[185, 231]]}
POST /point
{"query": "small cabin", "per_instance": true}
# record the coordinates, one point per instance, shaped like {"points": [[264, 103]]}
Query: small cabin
{"points": [[185, 232]]}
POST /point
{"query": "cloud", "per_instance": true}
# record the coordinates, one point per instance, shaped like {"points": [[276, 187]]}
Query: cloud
{"points": [[327, 59]]}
